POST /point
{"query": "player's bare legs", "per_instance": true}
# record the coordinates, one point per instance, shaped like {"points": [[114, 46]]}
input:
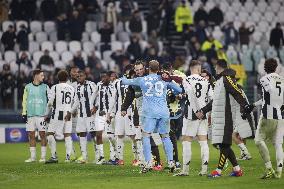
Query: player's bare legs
{"points": [[52, 146], [83, 147], [43, 145], [245, 155], [68, 146], [100, 147], [120, 149], [32, 143], [202, 139]]}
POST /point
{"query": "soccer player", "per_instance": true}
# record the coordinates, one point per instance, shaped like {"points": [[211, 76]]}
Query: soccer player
{"points": [[270, 125], [123, 125], [199, 92], [34, 108], [60, 99], [83, 104], [104, 103], [226, 95], [155, 111], [174, 105]]}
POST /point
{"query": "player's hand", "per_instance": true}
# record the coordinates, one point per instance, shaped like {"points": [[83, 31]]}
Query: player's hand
{"points": [[67, 117], [93, 110], [247, 110], [123, 113], [25, 118], [46, 119], [108, 118], [179, 96], [199, 114]]}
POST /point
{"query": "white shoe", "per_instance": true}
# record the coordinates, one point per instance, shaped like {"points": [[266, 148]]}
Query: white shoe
{"points": [[41, 160], [203, 171], [172, 166], [30, 160], [101, 161], [181, 174]]}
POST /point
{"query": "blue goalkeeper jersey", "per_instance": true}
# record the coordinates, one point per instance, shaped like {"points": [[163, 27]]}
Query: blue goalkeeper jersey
{"points": [[154, 91]]}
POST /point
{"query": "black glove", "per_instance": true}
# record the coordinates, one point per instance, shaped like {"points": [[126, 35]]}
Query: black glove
{"points": [[247, 110], [25, 118], [171, 98]]}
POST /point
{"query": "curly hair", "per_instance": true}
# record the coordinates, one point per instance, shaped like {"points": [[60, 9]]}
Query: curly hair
{"points": [[270, 65]]}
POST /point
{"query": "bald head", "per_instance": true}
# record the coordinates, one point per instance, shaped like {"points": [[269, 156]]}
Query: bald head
{"points": [[154, 66]]}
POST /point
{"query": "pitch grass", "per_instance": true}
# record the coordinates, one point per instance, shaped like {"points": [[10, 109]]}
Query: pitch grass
{"points": [[14, 173]]}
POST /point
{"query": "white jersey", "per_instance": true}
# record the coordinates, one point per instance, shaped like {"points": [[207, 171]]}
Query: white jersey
{"points": [[84, 99], [120, 91], [60, 98], [272, 96], [104, 101], [199, 92]]}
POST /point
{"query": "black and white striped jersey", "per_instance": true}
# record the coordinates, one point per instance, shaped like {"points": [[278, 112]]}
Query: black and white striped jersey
{"points": [[272, 96], [85, 95], [60, 98], [199, 92], [104, 100], [119, 95]]}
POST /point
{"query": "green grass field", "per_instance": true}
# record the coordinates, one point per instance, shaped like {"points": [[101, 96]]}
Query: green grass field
{"points": [[14, 173]]}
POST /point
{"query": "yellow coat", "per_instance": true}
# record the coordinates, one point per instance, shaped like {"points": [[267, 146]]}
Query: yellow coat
{"points": [[182, 16], [207, 45]]}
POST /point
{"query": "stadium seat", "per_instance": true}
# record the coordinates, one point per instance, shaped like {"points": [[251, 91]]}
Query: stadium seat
{"points": [[112, 65], [74, 46], [84, 56], [95, 37], [256, 15], [224, 6], [54, 55], [1, 57], [262, 26], [88, 47], [90, 26], [47, 45], [271, 53], [59, 64], [53, 36], [275, 6], [236, 5], [36, 56], [144, 26], [237, 24], [280, 16], [269, 16], [209, 5], [19, 23], [116, 45], [1, 33], [41, 37], [60, 46], [143, 44], [126, 44], [123, 36], [249, 6], [257, 55], [281, 54], [31, 37], [243, 16], [127, 27], [14, 67], [66, 57], [217, 33], [106, 56], [35, 26], [245, 57], [49, 26], [257, 36], [2, 62], [232, 55], [85, 37], [262, 6], [10, 56], [230, 16], [6, 24], [113, 37], [98, 54]]}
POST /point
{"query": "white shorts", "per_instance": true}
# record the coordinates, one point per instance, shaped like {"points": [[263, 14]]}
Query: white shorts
{"points": [[35, 123], [271, 130], [100, 123], [59, 127], [85, 124], [138, 133], [194, 127], [123, 125]]}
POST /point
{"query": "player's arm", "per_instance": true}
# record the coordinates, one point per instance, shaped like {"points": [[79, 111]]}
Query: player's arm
{"points": [[24, 104], [238, 94], [135, 81], [51, 97], [129, 98], [176, 89], [265, 83], [94, 89]]}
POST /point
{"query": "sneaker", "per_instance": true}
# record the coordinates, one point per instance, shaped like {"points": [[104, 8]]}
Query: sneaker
{"points": [[214, 174], [52, 160], [270, 173], [101, 161], [111, 162], [178, 165], [145, 169], [30, 160], [181, 174], [158, 168], [236, 173], [120, 162], [244, 157], [172, 166], [81, 160], [278, 174], [202, 173], [41, 160], [136, 163]]}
